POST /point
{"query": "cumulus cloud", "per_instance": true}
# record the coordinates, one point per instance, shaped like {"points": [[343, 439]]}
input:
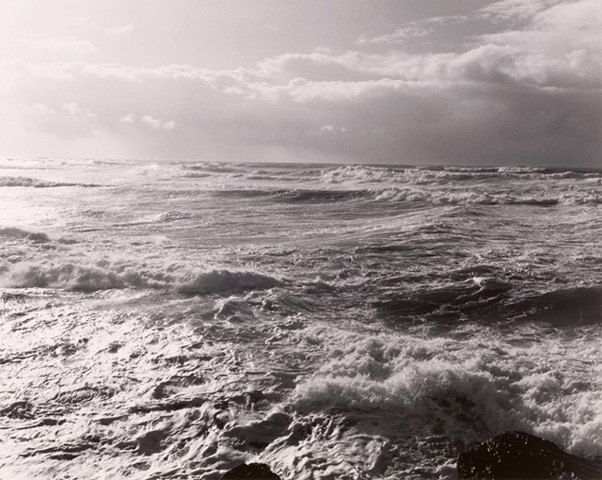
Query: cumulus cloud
{"points": [[157, 124]]}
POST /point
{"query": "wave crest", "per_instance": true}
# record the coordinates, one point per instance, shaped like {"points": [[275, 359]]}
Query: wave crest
{"points": [[14, 232], [107, 276], [32, 182], [226, 282]]}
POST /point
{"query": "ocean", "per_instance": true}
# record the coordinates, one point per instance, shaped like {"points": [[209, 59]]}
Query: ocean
{"points": [[174, 320]]}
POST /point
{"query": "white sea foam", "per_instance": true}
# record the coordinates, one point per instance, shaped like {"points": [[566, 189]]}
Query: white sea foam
{"points": [[467, 388]]}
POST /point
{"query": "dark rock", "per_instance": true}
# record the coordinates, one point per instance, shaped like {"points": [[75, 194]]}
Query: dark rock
{"points": [[251, 471], [518, 455]]}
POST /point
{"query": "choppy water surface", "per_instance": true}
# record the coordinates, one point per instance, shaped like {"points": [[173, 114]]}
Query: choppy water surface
{"points": [[334, 322]]}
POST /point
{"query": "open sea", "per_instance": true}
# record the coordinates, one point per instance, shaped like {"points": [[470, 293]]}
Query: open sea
{"points": [[172, 321]]}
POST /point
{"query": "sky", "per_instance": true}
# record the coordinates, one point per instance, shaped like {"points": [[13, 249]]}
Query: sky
{"points": [[454, 82]]}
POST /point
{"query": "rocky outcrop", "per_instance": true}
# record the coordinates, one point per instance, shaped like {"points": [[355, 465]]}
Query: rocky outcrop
{"points": [[518, 455], [251, 471]]}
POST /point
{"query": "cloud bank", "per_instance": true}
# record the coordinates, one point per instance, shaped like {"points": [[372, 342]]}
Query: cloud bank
{"points": [[521, 85]]}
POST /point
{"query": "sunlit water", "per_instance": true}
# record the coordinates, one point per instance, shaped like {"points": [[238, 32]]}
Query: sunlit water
{"points": [[335, 322]]}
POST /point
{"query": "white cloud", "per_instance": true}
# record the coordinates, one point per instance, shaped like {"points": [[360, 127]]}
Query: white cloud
{"points": [[130, 118], [399, 36], [156, 123], [153, 122], [74, 109], [44, 109], [71, 108], [515, 11], [120, 31]]}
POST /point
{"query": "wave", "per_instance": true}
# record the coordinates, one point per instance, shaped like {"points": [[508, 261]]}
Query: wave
{"points": [[396, 175], [37, 183], [308, 196], [361, 174], [437, 384], [489, 300], [463, 388], [159, 218], [108, 276], [553, 172], [472, 197], [564, 307], [414, 195], [475, 297], [225, 282], [319, 196], [18, 233]]}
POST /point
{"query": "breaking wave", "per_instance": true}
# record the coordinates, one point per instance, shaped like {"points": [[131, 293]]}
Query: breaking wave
{"points": [[35, 183], [472, 197], [363, 174], [18, 233], [434, 383], [107, 276], [414, 195], [442, 385]]}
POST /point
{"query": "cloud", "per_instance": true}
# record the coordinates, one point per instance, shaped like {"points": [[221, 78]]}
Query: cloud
{"points": [[130, 118], [72, 108], [157, 124], [399, 36], [525, 89], [515, 11], [120, 31], [301, 90], [44, 109]]}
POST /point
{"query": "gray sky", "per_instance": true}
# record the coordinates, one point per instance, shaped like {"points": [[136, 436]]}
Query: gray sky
{"points": [[373, 81]]}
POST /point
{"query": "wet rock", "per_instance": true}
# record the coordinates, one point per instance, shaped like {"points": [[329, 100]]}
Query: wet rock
{"points": [[518, 455], [251, 471]]}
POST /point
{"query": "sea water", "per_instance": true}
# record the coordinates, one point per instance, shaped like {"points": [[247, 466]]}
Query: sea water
{"points": [[175, 320]]}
